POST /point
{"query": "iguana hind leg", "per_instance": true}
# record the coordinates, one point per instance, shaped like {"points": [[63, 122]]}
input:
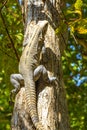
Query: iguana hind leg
{"points": [[42, 71]]}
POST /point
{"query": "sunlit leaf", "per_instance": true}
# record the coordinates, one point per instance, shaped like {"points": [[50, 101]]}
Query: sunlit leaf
{"points": [[78, 4]]}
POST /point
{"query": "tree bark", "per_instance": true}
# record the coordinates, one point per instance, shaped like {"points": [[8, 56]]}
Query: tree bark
{"points": [[51, 99]]}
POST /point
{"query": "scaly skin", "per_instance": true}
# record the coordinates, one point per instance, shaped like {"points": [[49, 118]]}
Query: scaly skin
{"points": [[28, 63]]}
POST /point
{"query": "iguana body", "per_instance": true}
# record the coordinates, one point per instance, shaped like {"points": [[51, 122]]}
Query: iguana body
{"points": [[28, 63], [30, 71]]}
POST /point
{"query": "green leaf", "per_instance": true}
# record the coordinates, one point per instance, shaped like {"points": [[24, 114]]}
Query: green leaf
{"points": [[78, 4]]}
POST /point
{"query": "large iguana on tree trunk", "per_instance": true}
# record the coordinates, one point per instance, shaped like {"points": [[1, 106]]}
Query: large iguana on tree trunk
{"points": [[31, 70], [28, 63]]}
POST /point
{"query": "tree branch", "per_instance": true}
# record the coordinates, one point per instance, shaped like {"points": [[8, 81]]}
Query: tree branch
{"points": [[12, 43], [7, 54], [5, 2]]}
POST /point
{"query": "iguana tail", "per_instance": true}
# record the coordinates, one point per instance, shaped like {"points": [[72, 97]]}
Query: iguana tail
{"points": [[31, 101]]}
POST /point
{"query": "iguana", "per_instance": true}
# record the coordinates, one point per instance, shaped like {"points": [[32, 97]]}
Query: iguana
{"points": [[30, 69]]}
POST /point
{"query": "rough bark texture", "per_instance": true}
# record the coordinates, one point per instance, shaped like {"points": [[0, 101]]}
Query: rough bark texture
{"points": [[51, 100]]}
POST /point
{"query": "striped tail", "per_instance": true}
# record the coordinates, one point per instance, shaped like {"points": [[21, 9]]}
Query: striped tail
{"points": [[31, 101]]}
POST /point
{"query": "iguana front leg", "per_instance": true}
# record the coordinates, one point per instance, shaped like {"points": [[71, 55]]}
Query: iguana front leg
{"points": [[17, 81]]}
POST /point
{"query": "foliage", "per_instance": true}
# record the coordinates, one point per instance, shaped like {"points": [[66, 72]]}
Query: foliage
{"points": [[74, 58], [10, 24], [75, 78], [74, 63], [77, 21]]}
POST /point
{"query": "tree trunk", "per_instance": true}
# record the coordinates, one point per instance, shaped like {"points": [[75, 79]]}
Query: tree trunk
{"points": [[51, 99]]}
